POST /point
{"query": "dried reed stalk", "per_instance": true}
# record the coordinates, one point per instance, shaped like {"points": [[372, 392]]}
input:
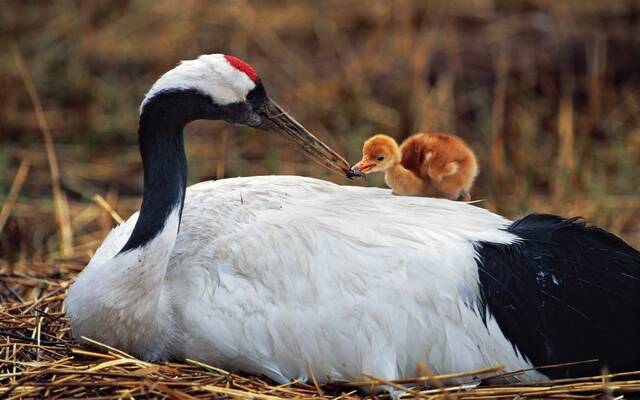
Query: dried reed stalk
{"points": [[497, 157], [59, 197], [12, 196], [222, 162], [99, 200], [565, 161]]}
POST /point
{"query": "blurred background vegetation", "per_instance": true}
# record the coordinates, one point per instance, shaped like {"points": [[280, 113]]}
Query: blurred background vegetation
{"points": [[547, 92]]}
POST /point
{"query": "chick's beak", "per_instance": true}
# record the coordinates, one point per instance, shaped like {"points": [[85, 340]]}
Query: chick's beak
{"points": [[292, 130], [363, 166]]}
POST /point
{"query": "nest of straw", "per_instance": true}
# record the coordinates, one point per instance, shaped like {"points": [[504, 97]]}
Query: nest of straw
{"points": [[39, 358]]}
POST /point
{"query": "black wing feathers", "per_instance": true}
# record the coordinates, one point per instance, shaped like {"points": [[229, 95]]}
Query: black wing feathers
{"points": [[567, 292]]}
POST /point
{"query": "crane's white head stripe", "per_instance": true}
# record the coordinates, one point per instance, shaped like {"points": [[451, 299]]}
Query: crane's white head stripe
{"points": [[212, 74]]}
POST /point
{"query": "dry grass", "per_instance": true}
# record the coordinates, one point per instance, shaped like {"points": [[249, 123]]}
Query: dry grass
{"points": [[546, 92]]}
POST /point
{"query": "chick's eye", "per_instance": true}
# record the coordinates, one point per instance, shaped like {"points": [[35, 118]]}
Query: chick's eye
{"points": [[380, 158]]}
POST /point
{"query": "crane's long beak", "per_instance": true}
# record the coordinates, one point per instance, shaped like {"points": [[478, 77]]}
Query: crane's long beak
{"points": [[313, 147]]}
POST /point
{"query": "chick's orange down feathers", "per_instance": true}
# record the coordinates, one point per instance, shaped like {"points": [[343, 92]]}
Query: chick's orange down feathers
{"points": [[445, 159], [426, 164]]}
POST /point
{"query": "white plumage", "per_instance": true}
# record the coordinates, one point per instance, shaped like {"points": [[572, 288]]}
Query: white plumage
{"points": [[284, 276]]}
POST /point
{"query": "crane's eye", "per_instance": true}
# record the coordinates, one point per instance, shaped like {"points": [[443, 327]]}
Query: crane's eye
{"points": [[380, 158]]}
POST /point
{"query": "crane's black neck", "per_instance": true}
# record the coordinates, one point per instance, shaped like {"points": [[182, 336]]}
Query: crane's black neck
{"points": [[162, 120], [160, 137]]}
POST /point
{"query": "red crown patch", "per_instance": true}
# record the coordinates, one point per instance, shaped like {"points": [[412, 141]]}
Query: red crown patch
{"points": [[242, 66]]}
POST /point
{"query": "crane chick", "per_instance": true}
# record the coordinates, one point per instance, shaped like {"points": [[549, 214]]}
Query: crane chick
{"points": [[426, 164]]}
